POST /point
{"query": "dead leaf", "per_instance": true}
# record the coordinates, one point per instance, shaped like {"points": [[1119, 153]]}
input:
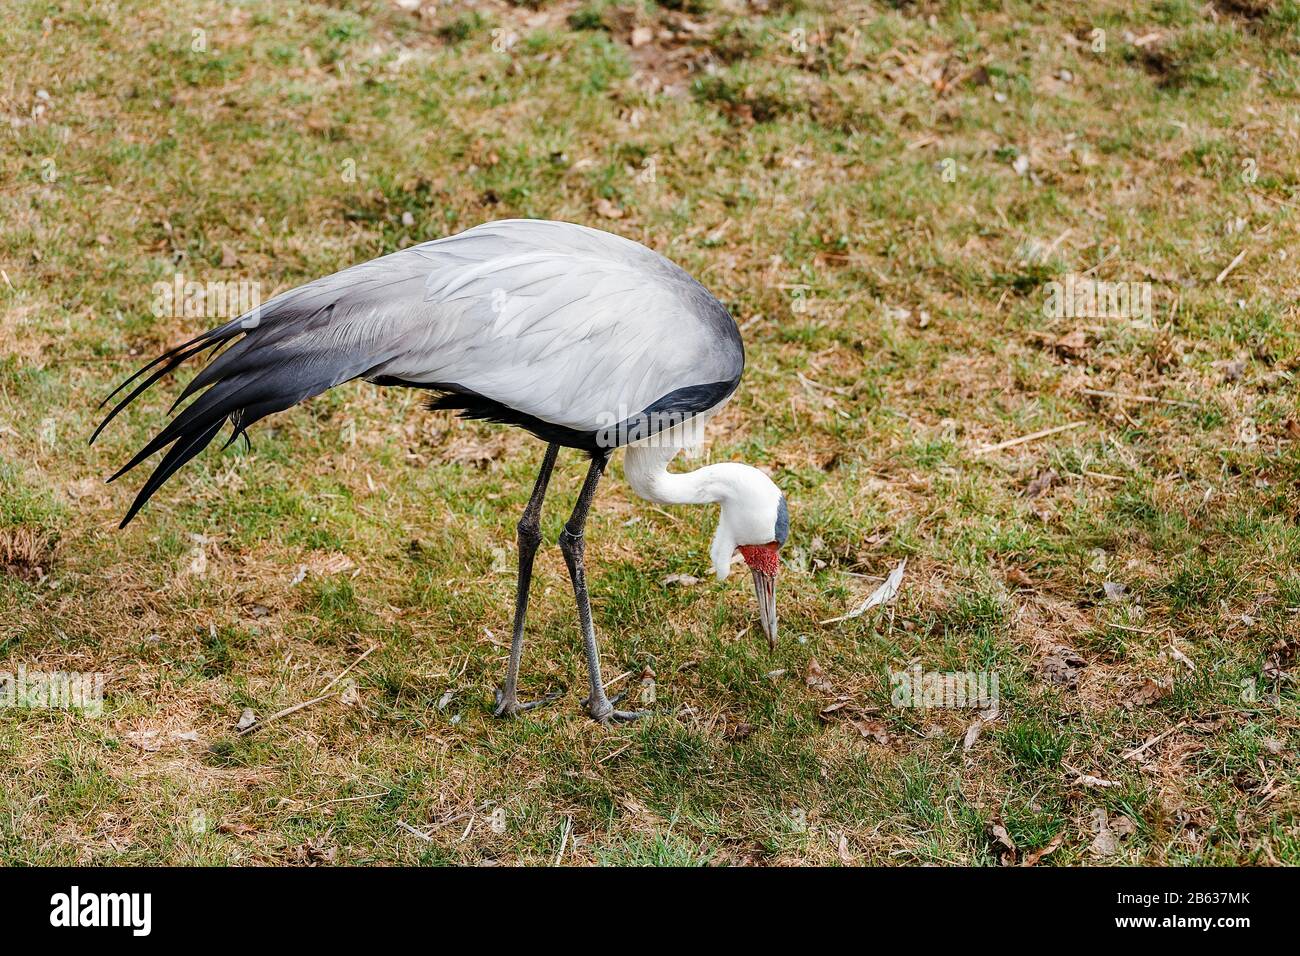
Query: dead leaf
{"points": [[842, 708], [229, 258], [641, 36], [314, 852], [1181, 658], [1000, 834], [235, 828], [1072, 344], [349, 697], [335, 563], [1003, 838], [246, 719], [972, 734], [471, 450], [85, 488], [1114, 591], [1147, 693], [1031, 858], [1019, 579], [1281, 655], [682, 580], [146, 741], [607, 209], [816, 678], [874, 730], [1062, 665], [842, 850], [1109, 835], [1104, 843], [1041, 483], [1088, 780]]}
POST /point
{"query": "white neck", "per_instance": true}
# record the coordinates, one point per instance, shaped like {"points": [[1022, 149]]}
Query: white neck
{"points": [[646, 468], [750, 502]]}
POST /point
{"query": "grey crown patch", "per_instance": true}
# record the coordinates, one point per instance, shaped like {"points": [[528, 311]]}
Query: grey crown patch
{"points": [[782, 522]]}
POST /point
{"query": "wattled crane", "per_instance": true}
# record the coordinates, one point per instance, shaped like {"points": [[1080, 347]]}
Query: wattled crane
{"points": [[585, 339]]}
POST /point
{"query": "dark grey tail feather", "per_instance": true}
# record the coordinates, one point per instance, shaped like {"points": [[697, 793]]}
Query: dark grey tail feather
{"points": [[217, 335], [177, 357], [275, 366], [213, 405], [212, 371], [179, 454]]}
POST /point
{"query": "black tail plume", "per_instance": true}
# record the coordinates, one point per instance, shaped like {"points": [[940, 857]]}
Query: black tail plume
{"points": [[292, 353]]}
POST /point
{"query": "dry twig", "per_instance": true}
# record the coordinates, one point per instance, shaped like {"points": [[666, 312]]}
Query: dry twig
{"points": [[1012, 442]]}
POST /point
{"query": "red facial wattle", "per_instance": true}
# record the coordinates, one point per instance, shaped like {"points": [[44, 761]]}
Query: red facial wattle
{"points": [[762, 557]]}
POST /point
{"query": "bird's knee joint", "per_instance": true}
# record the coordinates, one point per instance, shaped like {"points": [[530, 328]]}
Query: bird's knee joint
{"points": [[529, 534]]}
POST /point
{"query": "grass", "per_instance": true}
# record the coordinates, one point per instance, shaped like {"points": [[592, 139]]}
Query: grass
{"points": [[879, 192]]}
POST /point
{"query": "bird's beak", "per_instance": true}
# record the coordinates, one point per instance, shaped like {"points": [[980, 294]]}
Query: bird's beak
{"points": [[765, 591]]}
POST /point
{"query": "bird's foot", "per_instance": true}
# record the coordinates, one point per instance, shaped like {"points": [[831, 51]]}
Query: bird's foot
{"points": [[511, 707], [604, 712]]}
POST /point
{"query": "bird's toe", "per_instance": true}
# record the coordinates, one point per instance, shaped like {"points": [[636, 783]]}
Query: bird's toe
{"points": [[605, 713], [513, 707]]}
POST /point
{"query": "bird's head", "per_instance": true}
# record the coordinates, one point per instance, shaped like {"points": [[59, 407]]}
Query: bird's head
{"points": [[755, 522]]}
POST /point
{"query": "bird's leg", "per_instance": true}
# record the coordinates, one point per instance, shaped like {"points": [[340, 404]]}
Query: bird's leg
{"points": [[599, 706], [529, 533]]}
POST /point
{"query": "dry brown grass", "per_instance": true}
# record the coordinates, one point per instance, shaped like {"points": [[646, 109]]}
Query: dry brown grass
{"points": [[894, 327]]}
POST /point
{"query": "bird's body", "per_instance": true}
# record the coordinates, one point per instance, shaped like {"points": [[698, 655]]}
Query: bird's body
{"points": [[583, 338], [556, 327]]}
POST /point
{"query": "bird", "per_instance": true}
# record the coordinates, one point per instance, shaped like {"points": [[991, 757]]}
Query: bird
{"points": [[587, 340]]}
